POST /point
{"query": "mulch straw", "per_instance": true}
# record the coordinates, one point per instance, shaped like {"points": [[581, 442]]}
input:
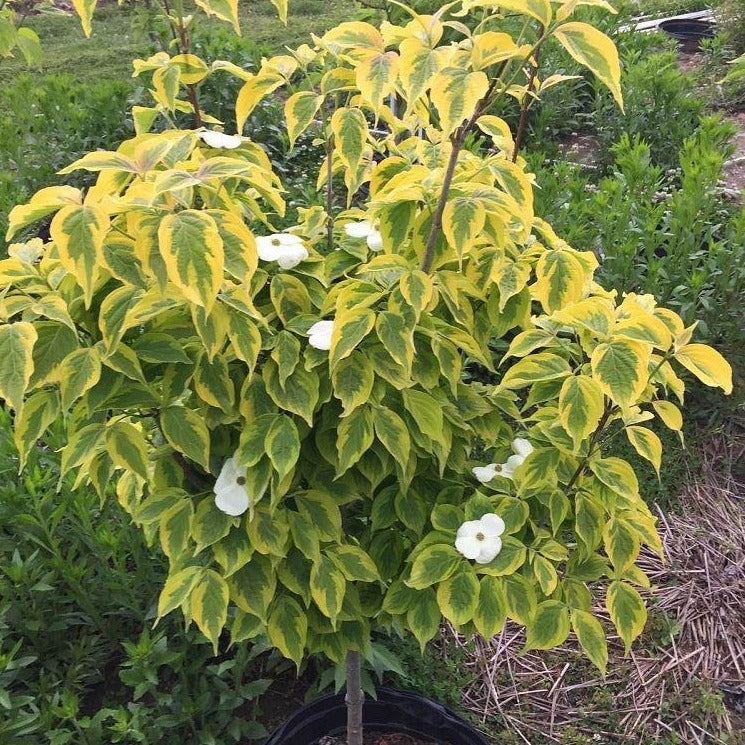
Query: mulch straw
{"points": [[653, 693]]}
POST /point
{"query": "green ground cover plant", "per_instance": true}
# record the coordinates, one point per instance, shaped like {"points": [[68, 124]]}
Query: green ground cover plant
{"points": [[667, 231], [79, 662]]}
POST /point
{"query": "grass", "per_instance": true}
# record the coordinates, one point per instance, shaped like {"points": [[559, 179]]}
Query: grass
{"points": [[662, 8], [108, 53]]}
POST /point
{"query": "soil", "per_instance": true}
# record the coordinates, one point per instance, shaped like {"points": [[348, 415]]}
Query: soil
{"points": [[734, 169], [689, 61], [382, 738], [581, 148]]}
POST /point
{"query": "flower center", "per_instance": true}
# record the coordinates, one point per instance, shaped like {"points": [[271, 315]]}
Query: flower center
{"points": [[241, 480], [276, 242], [480, 536]]}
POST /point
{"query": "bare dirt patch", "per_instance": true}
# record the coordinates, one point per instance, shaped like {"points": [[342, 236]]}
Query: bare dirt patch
{"points": [[689, 61], [581, 148], [734, 169]]}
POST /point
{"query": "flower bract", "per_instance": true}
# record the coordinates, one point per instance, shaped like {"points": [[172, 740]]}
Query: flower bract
{"points": [[319, 335], [522, 449], [365, 229], [220, 140], [231, 495], [485, 473]]}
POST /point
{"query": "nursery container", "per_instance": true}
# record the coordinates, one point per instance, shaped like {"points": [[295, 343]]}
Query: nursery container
{"points": [[688, 31], [393, 711]]}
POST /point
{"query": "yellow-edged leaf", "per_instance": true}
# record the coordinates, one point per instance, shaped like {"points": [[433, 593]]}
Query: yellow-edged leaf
{"points": [[560, 280], [647, 444], [627, 611], [127, 447], [209, 605], [177, 589], [456, 93], [592, 48], [549, 627], [78, 232], [376, 77], [186, 432], [79, 371], [84, 9], [288, 628], [670, 414], [707, 365], [621, 368], [591, 637], [39, 410], [192, 250], [300, 110], [462, 222], [350, 328], [16, 362], [419, 64], [41, 204], [458, 596], [538, 9], [225, 10], [350, 130], [581, 404]]}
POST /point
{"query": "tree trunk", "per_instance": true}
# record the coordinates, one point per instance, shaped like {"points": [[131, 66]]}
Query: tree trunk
{"points": [[354, 698]]}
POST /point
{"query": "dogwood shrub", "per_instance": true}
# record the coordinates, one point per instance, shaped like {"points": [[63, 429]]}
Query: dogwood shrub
{"points": [[298, 417]]}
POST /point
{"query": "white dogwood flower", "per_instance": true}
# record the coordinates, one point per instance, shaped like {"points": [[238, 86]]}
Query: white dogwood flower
{"points": [[284, 248], [365, 229], [479, 539], [231, 495], [319, 335], [220, 140], [522, 449]]}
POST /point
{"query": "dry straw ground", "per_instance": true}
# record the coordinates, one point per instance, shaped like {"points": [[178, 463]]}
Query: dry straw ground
{"points": [[685, 682]]}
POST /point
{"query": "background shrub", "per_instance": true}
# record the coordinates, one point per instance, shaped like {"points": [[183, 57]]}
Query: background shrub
{"points": [[47, 123]]}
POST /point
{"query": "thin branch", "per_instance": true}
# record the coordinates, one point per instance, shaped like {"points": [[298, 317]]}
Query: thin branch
{"points": [[609, 408], [457, 139], [429, 251], [183, 43], [525, 106]]}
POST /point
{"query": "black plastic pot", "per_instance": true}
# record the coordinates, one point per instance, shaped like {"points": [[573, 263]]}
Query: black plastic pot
{"points": [[688, 31], [394, 711]]}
